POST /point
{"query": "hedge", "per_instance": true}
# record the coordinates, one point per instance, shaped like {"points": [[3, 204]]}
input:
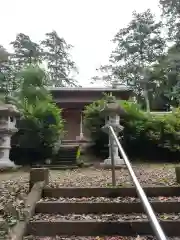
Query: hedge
{"points": [[145, 135]]}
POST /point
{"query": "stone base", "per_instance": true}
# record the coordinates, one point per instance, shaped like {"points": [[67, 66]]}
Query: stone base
{"points": [[117, 161], [6, 163], [107, 166]]}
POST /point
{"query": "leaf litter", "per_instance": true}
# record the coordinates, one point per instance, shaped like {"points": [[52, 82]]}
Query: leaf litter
{"points": [[13, 191]]}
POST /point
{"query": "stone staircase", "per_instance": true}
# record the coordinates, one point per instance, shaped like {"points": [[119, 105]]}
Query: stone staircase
{"points": [[66, 157], [103, 212]]}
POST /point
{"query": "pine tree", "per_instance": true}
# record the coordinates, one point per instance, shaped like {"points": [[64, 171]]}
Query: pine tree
{"points": [[26, 52], [59, 63]]}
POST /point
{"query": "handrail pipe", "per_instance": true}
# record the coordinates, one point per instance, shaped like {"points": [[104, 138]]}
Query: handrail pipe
{"points": [[147, 207]]}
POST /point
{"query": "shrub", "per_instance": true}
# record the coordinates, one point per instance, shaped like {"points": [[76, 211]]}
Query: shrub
{"points": [[40, 125], [93, 121], [143, 135]]}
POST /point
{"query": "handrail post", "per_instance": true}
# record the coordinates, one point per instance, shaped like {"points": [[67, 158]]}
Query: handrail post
{"points": [[112, 160], [147, 207]]}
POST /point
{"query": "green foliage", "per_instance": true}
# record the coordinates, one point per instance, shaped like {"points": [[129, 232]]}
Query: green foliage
{"points": [[39, 129], [167, 74], [33, 81], [41, 124], [93, 121], [142, 131], [171, 16], [59, 63], [7, 83], [137, 46], [146, 57], [53, 50], [25, 52]]}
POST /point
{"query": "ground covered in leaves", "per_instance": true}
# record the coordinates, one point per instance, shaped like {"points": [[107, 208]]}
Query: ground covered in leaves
{"points": [[14, 187], [148, 174], [13, 194]]}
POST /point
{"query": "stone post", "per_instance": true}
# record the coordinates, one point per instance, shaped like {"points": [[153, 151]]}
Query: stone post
{"points": [[38, 175], [81, 126]]}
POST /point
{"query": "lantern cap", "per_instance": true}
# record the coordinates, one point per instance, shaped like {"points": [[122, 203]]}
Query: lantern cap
{"points": [[8, 110], [112, 107]]}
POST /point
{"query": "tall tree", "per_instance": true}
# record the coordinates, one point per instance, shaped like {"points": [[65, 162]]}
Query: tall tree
{"points": [[138, 46], [7, 81], [59, 63], [171, 16], [166, 73], [25, 51], [4, 69]]}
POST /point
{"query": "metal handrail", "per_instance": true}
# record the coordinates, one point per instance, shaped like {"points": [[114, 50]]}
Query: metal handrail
{"points": [[147, 207]]}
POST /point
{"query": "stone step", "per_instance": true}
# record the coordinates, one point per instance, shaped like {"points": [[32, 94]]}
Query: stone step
{"points": [[64, 162], [109, 192], [63, 167], [103, 212], [60, 166], [67, 153], [56, 207], [68, 150], [109, 199], [115, 237], [92, 227], [66, 158]]}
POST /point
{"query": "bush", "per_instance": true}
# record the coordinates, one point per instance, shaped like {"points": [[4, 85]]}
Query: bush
{"points": [[38, 133], [40, 125], [144, 135], [94, 121]]}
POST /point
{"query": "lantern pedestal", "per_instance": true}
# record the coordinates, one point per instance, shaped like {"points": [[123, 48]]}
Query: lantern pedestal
{"points": [[114, 122], [118, 162]]}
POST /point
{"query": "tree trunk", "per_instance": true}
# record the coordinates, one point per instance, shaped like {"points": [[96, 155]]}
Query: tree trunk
{"points": [[146, 97]]}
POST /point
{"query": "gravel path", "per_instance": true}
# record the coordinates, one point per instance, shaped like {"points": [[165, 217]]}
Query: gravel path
{"points": [[95, 238], [13, 194], [109, 200], [148, 175], [102, 217]]}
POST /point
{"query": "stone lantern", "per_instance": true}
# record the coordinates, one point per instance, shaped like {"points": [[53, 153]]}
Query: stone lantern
{"points": [[112, 112], [8, 115]]}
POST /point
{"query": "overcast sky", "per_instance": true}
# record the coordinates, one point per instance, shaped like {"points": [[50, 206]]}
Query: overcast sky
{"points": [[89, 25]]}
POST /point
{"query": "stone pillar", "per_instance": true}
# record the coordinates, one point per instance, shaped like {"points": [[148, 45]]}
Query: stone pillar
{"points": [[37, 175], [114, 122]]}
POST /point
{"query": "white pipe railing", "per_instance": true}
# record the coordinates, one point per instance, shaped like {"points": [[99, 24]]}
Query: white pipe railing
{"points": [[147, 207]]}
